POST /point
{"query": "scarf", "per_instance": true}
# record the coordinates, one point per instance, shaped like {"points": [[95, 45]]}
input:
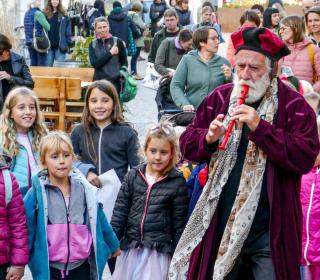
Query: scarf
{"points": [[179, 49], [245, 204]]}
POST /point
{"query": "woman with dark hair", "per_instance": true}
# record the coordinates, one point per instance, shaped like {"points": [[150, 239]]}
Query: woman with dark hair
{"points": [[13, 69], [171, 51], [271, 19], [60, 31], [200, 71], [169, 55], [97, 11], [292, 32], [313, 23], [183, 12]]}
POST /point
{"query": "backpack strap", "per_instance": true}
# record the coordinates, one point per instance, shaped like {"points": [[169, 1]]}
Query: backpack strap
{"points": [[311, 53], [8, 185]]}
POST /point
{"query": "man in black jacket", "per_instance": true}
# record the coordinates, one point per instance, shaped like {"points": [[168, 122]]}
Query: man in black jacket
{"points": [[13, 70]]}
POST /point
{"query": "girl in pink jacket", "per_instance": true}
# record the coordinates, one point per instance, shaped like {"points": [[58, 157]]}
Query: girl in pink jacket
{"points": [[13, 225], [304, 59], [310, 202]]}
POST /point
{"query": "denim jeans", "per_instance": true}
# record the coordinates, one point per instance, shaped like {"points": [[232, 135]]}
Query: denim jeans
{"points": [[55, 54], [134, 61], [37, 58]]}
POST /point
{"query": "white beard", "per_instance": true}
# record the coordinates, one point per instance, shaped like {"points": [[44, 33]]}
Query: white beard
{"points": [[256, 89]]}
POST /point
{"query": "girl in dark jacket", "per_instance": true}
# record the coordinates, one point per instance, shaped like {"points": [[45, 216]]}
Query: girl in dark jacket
{"points": [[157, 9], [151, 209], [103, 138], [107, 54], [60, 31]]}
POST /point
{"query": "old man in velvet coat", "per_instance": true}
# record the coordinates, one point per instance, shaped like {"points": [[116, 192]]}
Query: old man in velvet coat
{"points": [[247, 222]]}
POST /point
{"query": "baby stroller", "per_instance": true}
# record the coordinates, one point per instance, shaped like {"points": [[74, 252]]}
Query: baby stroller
{"points": [[163, 97]]}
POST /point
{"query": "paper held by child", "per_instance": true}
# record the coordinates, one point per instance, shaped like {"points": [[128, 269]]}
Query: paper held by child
{"points": [[108, 193]]}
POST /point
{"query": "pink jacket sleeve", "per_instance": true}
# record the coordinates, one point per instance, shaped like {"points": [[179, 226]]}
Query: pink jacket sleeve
{"points": [[17, 227]]}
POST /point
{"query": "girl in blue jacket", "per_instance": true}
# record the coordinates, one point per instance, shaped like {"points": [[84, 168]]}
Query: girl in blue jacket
{"points": [[68, 234], [21, 129]]}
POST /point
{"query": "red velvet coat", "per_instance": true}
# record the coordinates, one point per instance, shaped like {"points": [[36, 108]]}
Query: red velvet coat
{"points": [[291, 144]]}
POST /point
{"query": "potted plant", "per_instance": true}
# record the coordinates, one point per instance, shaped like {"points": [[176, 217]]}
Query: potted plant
{"points": [[80, 52]]}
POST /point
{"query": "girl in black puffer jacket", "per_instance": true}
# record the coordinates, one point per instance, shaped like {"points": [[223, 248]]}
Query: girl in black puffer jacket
{"points": [[151, 209]]}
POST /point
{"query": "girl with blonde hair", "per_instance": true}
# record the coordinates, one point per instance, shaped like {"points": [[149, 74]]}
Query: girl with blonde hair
{"points": [[22, 127], [69, 235], [151, 209]]}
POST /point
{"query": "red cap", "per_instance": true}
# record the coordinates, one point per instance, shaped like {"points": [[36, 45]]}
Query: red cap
{"points": [[260, 39]]}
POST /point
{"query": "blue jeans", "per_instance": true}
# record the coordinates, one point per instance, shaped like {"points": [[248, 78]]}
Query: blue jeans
{"points": [[134, 61], [55, 54], [37, 58]]}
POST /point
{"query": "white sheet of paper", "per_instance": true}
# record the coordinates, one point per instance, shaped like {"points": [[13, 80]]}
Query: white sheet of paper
{"points": [[108, 193]]}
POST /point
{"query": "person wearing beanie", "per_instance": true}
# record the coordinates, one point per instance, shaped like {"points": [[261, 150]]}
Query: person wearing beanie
{"points": [[247, 222], [13, 70], [120, 23]]}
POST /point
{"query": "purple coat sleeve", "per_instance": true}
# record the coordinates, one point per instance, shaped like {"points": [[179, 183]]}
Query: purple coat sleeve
{"points": [[17, 227], [192, 141], [293, 146]]}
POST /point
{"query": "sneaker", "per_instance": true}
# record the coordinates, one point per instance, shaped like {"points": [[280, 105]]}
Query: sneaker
{"points": [[138, 77]]}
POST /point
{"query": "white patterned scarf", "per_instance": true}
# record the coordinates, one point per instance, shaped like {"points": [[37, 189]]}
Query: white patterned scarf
{"points": [[245, 204]]}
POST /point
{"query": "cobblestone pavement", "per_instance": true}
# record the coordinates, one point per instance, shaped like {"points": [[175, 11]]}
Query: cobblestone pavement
{"points": [[142, 112]]}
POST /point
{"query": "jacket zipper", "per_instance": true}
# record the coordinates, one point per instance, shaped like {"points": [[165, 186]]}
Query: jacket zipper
{"points": [[147, 202], [99, 151], [29, 167], [308, 216], [68, 229]]}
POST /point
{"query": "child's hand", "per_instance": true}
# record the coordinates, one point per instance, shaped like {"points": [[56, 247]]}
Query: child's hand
{"points": [[94, 179], [116, 254], [15, 272]]}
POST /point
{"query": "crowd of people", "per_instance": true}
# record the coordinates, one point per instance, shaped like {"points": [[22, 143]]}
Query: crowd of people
{"points": [[248, 205]]}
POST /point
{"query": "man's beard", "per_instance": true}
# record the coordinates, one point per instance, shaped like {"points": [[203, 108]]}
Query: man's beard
{"points": [[257, 89]]}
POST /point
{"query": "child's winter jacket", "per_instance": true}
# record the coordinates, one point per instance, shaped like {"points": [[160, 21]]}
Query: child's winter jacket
{"points": [[152, 216], [13, 225], [310, 202], [82, 226]]}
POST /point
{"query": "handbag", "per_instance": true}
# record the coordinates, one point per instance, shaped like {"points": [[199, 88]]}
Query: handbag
{"points": [[40, 43]]}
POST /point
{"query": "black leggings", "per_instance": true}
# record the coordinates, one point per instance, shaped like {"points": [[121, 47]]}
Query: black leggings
{"points": [[80, 273]]}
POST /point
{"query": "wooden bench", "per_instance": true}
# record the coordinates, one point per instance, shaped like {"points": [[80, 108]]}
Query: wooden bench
{"points": [[84, 74], [53, 93], [52, 89], [72, 87]]}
